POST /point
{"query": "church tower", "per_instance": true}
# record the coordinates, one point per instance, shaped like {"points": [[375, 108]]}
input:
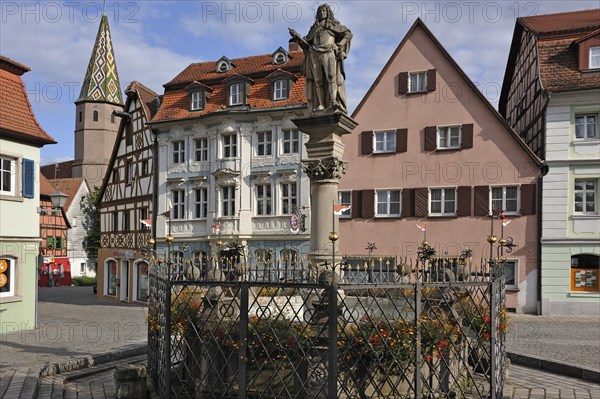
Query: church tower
{"points": [[95, 125]]}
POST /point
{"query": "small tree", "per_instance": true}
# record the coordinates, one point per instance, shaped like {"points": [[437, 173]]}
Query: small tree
{"points": [[91, 223]]}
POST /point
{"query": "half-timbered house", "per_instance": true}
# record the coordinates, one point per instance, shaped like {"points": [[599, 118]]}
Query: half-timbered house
{"points": [[230, 160], [54, 225], [551, 97], [126, 201]]}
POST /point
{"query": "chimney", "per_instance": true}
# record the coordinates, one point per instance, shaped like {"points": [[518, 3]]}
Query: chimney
{"points": [[293, 46]]}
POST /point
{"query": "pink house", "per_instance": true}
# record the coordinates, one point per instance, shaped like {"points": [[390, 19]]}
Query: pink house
{"points": [[431, 150]]}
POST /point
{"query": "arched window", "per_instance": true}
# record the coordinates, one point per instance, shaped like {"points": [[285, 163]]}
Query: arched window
{"points": [[263, 267], [111, 277], [584, 272], [112, 118], [95, 116]]}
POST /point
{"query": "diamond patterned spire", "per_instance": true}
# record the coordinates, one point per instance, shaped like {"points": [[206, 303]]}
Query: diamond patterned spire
{"points": [[101, 83]]}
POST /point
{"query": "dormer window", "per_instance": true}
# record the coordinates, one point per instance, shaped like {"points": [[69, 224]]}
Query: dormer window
{"points": [[223, 65], [281, 89], [594, 57], [280, 56], [236, 93], [196, 100]]}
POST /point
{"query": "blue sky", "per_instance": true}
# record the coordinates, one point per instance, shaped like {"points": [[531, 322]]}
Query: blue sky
{"points": [[155, 40]]}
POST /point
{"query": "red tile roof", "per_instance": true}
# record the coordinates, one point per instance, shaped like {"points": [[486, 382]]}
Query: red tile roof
{"points": [[16, 116], [69, 187], [563, 22], [559, 67], [176, 105], [46, 188], [148, 96]]}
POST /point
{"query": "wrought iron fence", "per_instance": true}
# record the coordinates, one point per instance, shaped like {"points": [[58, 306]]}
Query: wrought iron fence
{"points": [[282, 330]]}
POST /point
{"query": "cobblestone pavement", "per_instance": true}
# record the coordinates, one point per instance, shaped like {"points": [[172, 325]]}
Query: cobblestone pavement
{"points": [[573, 340], [72, 323], [529, 384]]}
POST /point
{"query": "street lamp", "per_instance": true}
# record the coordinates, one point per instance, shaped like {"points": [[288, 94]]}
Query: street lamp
{"points": [[58, 199]]}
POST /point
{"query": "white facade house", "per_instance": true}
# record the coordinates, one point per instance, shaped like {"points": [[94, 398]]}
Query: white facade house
{"points": [[229, 160]]}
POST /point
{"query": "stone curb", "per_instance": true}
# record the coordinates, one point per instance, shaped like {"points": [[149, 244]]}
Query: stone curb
{"points": [[92, 360], [565, 369]]}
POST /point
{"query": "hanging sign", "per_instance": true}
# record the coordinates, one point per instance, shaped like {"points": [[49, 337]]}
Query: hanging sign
{"points": [[294, 224]]}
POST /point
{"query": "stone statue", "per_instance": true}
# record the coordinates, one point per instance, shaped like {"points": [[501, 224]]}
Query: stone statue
{"points": [[325, 48]]}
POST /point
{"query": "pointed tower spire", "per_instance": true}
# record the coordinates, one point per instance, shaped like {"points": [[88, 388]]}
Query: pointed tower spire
{"points": [[101, 83]]}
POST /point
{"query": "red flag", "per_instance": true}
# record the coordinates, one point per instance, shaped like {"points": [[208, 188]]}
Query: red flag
{"points": [[146, 222], [339, 209], [421, 226], [505, 221], [216, 228]]}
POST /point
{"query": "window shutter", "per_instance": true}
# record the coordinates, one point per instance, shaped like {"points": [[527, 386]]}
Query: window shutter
{"points": [[403, 83], [464, 201], [528, 199], [430, 138], [356, 204], [366, 142], [482, 200], [431, 80], [408, 202], [401, 140], [421, 205], [466, 136], [28, 178], [367, 203]]}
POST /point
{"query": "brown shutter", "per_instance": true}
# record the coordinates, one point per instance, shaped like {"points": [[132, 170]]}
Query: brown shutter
{"points": [[355, 210], [366, 142], [421, 206], [466, 136], [464, 201], [408, 202], [430, 138], [431, 80], [528, 199], [401, 140], [482, 200], [403, 83], [367, 203]]}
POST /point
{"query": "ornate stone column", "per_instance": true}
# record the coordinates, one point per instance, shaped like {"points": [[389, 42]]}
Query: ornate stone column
{"points": [[324, 166]]}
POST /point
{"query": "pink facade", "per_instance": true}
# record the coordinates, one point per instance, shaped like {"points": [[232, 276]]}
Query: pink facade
{"points": [[430, 149]]}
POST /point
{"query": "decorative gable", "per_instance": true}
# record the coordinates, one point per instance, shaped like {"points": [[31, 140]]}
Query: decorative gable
{"points": [[224, 65], [280, 56]]}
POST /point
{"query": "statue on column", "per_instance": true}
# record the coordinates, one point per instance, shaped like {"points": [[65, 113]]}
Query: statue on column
{"points": [[325, 48]]}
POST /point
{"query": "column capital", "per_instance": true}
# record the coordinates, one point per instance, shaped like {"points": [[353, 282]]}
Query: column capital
{"points": [[327, 169]]}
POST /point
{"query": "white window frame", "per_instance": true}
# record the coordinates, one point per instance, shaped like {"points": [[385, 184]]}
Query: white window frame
{"points": [[583, 192], [200, 203], [289, 197], [178, 152], [264, 144], [345, 198], [515, 266], [444, 140], [420, 83], [290, 141], [264, 199], [12, 277], [236, 93], [229, 146], [201, 149], [196, 100], [387, 195], [503, 199], [586, 123], [594, 60], [227, 201], [442, 201], [8, 173], [384, 141], [178, 201], [281, 89]]}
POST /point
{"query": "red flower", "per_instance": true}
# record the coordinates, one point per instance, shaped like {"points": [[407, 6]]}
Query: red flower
{"points": [[486, 319], [439, 355], [428, 358], [486, 336]]}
